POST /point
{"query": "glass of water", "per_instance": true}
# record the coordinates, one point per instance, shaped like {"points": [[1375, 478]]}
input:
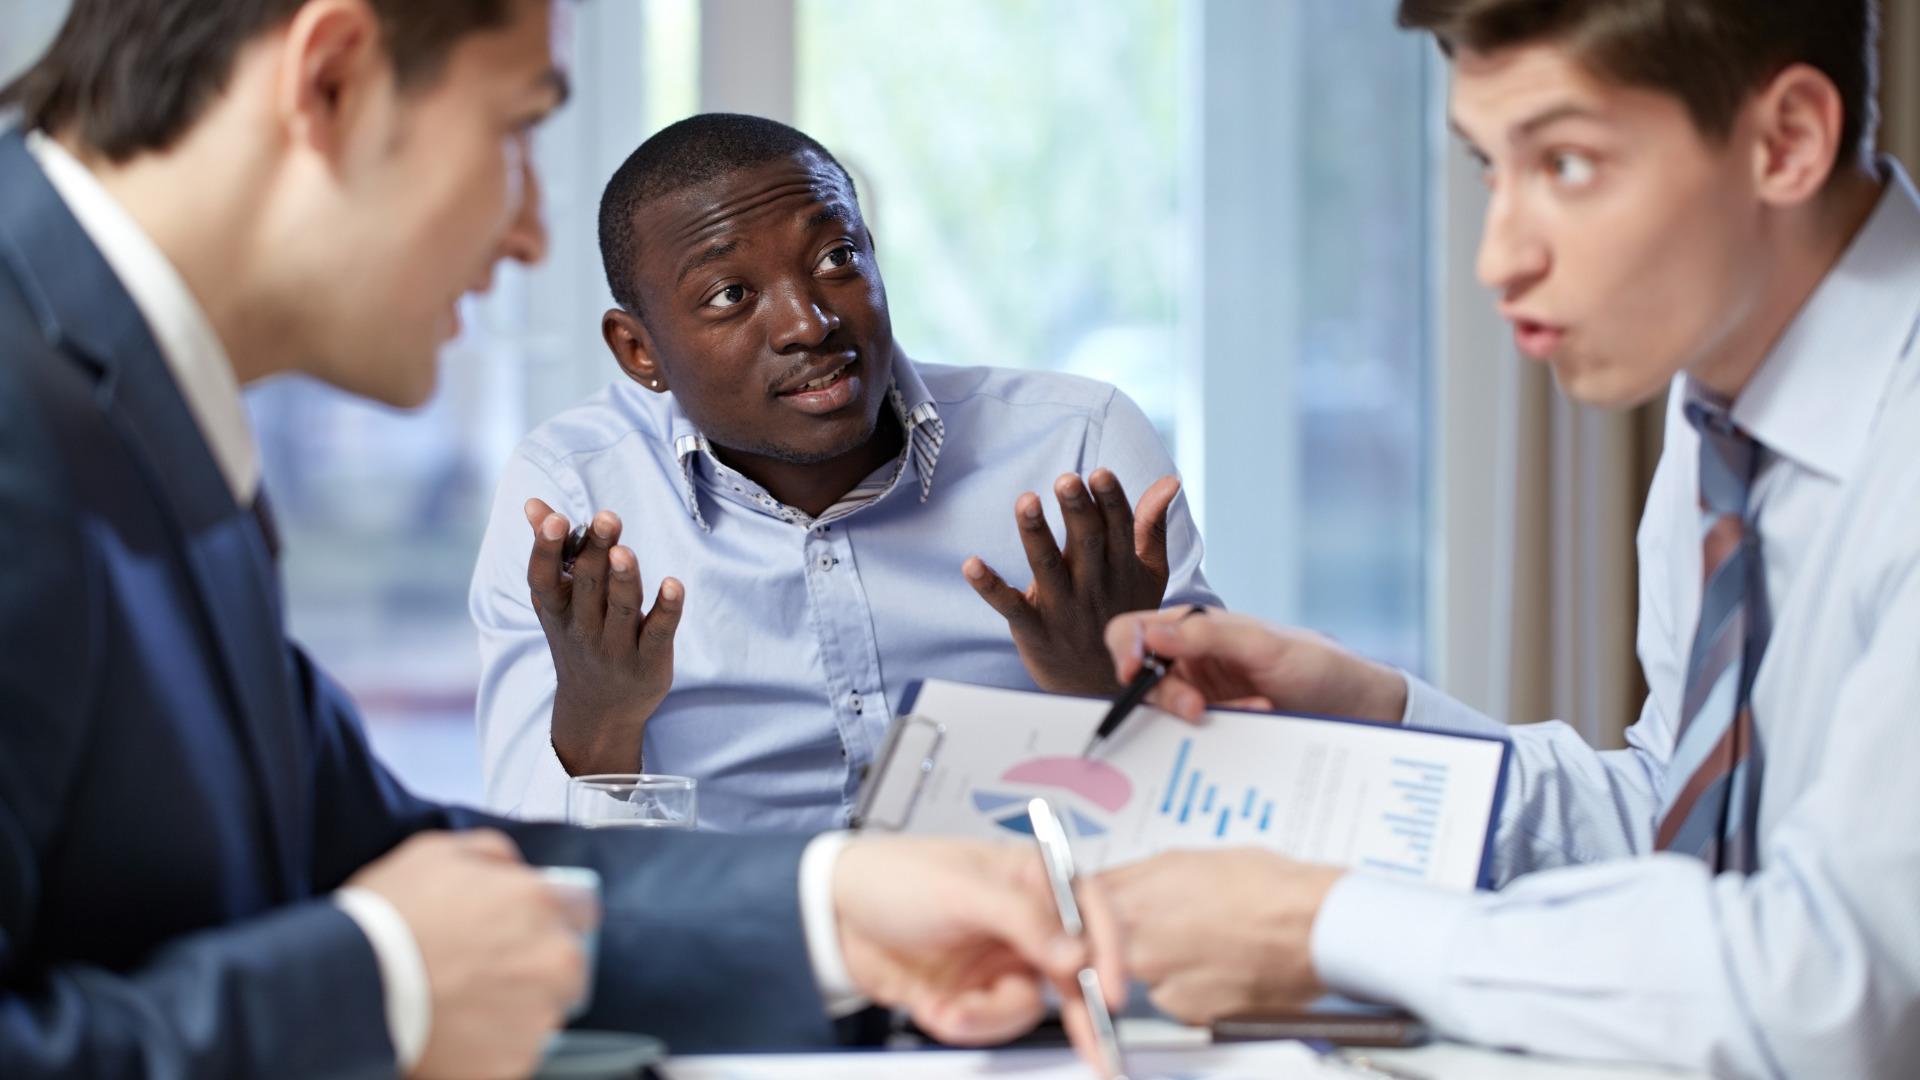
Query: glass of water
{"points": [[631, 801]]}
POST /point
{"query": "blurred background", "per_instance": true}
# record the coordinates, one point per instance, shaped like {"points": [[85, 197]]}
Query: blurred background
{"points": [[1242, 212], [1141, 191]]}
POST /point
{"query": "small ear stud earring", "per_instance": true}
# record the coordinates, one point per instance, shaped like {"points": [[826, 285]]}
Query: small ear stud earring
{"points": [[655, 383]]}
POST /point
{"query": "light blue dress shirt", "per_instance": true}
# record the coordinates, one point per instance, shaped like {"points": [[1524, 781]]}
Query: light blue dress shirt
{"points": [[1596, 947], [799, 636]]}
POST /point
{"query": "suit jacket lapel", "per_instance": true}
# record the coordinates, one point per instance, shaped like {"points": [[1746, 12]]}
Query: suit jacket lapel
{"points": [[84, 309]]}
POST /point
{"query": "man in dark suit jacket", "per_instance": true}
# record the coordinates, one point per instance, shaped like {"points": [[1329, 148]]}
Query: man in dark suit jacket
{"points": [[203, 870]]}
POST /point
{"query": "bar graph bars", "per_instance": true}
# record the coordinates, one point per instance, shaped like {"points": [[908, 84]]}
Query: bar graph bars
{"points": [[1419, 788], [1191, 799]]}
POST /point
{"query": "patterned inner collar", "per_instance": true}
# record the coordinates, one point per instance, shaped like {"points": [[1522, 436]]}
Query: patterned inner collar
{"points": [[925, 434]]}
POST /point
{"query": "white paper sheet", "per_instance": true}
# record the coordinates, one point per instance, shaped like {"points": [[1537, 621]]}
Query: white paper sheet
{"points": [[1240, 1061], [1412, 804]]}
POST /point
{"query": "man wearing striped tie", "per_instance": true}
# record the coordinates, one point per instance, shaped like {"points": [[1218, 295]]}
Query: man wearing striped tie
{"points": [[1684, 199]]}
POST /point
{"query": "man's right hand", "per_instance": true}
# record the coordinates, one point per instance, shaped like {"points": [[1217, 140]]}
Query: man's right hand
{"points": [[504, 963], [1225, 659], [614, 665], [964, 935]]}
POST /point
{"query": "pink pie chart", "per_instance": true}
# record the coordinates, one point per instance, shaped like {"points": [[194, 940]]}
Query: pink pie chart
{"points": [[1097, 782]]}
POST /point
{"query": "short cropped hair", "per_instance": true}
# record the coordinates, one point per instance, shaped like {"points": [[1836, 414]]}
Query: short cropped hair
{"points": [[1710, 54], [681, 155], [129, 76]]}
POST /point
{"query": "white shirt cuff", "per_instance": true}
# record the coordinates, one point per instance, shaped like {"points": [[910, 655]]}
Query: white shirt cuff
{"points": [[1377, 939], [403, 971], [822, 925], [1431, 710]]}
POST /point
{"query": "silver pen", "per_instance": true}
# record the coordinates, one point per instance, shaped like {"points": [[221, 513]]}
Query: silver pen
{"points": [[1058, 857]]}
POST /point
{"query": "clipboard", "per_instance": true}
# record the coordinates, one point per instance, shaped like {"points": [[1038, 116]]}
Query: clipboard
{"points": [[899, 772], [1419, 804]]}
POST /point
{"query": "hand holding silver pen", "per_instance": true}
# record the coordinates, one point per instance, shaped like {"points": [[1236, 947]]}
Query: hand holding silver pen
{"points": [[1058, 856]]}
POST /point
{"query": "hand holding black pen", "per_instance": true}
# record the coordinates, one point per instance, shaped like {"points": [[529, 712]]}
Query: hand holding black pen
{"points": [[1238, 662], [1153, 668]]}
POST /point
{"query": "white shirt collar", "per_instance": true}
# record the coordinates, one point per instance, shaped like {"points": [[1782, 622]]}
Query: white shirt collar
{"points": [[187, 340], [1815, 397]]}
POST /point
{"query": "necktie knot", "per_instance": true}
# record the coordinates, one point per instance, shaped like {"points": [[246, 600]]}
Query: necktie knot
{"points": [[1729, 458]]}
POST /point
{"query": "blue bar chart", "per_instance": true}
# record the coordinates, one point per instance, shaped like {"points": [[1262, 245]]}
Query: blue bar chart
{"points": [[1191, 799], [1411, 815]]}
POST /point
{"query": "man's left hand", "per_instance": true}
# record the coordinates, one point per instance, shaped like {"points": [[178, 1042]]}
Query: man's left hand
{"points": [[1220, 934], [1115, 561]]}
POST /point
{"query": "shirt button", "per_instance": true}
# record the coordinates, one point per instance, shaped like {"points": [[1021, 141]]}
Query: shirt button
{"points": [[828, 562], [854, 702]]}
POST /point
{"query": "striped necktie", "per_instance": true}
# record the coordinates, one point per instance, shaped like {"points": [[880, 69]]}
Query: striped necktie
{"points": [[1714, 776]]}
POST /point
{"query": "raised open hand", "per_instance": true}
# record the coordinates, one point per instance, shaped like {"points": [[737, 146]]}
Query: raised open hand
{"points": [[1115, 561], [614, 663]]}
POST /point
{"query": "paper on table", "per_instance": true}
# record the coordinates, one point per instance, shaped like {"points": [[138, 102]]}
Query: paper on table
{"points": [[1240, 1061], [1409, 803]]}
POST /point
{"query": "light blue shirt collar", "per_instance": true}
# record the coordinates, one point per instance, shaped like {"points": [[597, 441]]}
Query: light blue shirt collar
{"points": [[911, 402], [1815, 397]]}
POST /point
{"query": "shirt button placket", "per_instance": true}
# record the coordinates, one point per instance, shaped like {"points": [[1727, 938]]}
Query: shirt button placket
{"points": [[819, 560]]}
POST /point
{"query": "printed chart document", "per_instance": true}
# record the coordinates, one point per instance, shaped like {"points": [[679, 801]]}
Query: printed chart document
{"points": [[964, 760], [1247, 1061]]}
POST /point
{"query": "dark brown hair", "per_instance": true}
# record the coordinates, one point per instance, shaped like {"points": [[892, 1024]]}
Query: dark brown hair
{"points": [[128, 76], [1711, 54]]}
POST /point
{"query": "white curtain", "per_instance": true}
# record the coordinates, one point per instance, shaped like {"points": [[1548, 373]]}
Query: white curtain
{"points": [[1578, 482]]}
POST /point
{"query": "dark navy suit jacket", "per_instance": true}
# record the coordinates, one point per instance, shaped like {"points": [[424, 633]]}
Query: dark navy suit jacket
{"points": [[180, 787]]}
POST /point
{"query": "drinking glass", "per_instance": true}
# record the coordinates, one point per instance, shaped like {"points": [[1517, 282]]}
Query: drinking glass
{"points": [[631, 801]]}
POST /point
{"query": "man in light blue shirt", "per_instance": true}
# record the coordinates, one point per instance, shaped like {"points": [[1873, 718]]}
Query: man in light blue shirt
{"points": [[1684, 195], [823, 515]]}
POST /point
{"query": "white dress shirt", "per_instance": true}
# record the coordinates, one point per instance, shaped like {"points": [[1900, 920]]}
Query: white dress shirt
{"points": [[200, 366], [1597, 946]]}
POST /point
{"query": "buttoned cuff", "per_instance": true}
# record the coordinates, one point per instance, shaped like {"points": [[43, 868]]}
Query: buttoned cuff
{"points": [[822, 925], [1430, 710], [1387, 941], [403, 971]]}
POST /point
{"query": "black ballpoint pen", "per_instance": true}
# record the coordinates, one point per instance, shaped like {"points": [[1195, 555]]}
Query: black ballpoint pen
{"points": [[1152, 669], [576, 542]]}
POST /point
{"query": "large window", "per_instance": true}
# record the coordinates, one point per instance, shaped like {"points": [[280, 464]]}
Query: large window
{"points": [[1363, 347], [1219, 207], [1021, 165]]}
